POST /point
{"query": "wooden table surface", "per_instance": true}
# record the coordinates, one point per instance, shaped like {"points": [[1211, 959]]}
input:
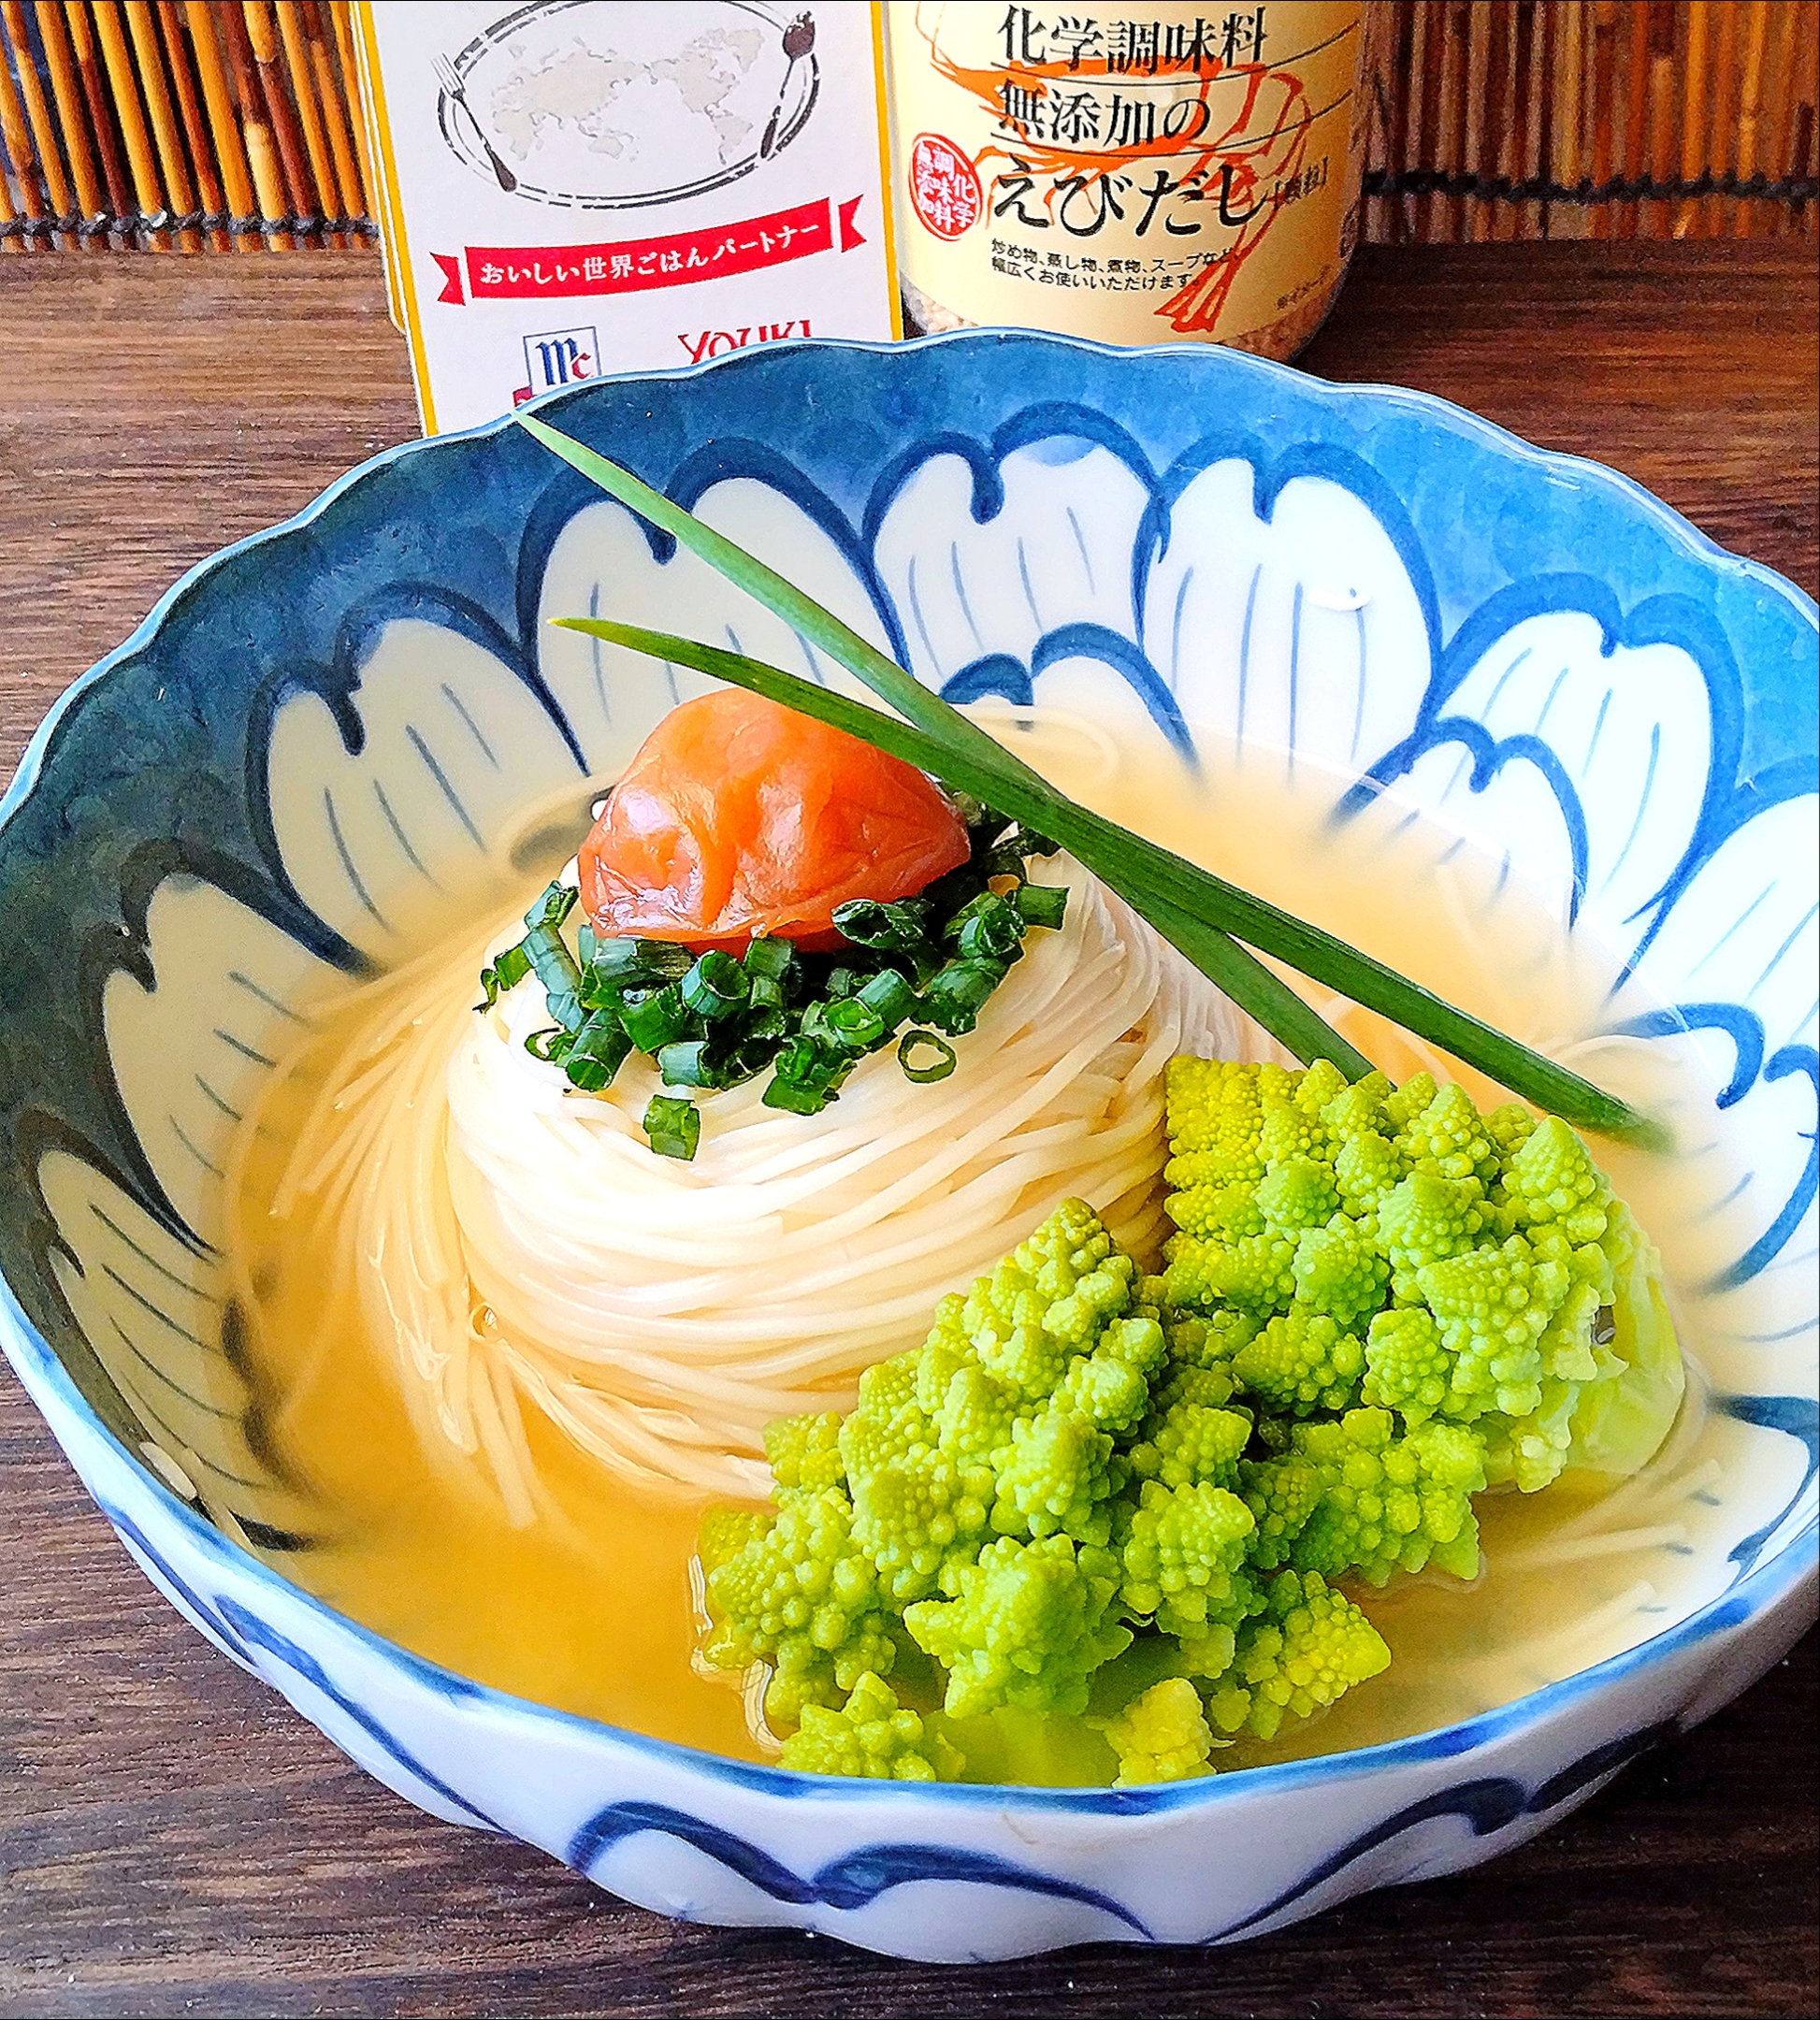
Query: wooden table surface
{"points": [[174, 1840]]}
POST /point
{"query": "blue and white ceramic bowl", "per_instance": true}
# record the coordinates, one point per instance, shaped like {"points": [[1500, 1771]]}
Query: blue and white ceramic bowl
{"points": [[320, 729]]}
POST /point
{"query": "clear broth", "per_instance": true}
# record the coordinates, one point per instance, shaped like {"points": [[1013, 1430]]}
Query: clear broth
{"points": [[590, 1608]]}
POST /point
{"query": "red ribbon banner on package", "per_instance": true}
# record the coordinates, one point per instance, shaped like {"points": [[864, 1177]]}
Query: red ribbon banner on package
{"points": [[633, 265]]}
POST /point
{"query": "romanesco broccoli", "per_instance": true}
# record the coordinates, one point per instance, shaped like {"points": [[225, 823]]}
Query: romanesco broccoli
{"points": [[1028, 1625], [1162, 1736], [1094, 1502], [797, 1591], [1190, 1444], [1389, 1503], [1301, 1363], [1182, 1552], [1311, 1647], [870, 1737]]}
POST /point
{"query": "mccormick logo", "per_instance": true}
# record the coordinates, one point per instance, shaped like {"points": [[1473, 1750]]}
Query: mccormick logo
{"points": [[557, 358]]}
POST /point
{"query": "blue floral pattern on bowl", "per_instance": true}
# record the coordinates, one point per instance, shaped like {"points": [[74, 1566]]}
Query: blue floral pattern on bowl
{"points": [[322, 733]]}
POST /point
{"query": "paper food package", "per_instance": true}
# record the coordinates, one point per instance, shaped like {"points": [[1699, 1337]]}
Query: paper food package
{"points": [[579, 187]]}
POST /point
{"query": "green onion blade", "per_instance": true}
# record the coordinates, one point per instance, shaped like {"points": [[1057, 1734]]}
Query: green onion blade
{"points": [[1214, 923]]}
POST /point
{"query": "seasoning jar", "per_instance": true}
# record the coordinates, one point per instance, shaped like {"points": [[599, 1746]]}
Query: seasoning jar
{"points": [[1146, 175]]}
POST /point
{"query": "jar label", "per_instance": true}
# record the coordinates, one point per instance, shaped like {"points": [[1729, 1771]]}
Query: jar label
{"points": [[1161, 173]]}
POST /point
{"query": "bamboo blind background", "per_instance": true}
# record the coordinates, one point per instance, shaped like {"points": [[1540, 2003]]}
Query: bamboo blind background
{"points": [[233, 125]]}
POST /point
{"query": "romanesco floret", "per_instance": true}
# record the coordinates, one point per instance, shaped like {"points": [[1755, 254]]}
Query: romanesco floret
{"points": [[1426, 1219], [1028, 1625], [1448, 1140], [1282, 1494], [1552, 1182], [1297, 1193], [919, 1452], [1358, 1110], [797, 1591], [1183, 1553], [1209, 1388], [1214, 1115], [1509, 1128], [1301, 1363], [1254, 1273], [1047, 1301], [1190, 1445], [1311, 1647], [1532, 1450], [1162, 1736], [1293, 1124], [1366, 1171], [1389, 1503], [1201, 1339], [1407, 1366], [804, 1453], [870, 1737], [1057, 1478], [1222, 1213], [1338, 1270], [918, 1513], [1402, 1105], [1493, 1306]]}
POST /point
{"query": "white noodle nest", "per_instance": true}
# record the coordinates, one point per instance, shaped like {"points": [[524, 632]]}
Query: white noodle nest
{"points": [[662, 1312]]}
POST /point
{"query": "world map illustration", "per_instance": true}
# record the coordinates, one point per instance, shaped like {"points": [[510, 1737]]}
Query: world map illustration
{"points": [[579, 102], [581, 87]]}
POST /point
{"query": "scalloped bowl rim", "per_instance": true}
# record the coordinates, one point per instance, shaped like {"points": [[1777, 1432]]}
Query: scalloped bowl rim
{"points": [[1763, 1590]]}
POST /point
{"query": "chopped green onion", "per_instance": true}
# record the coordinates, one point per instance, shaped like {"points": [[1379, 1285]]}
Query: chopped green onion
{"points": [[938, 1068], [814, 1024], [664, 958], [812, 1059], [673, 1126], [889, 996], [771, 958], [988, 927], [506, 973], [957, 994], [856, 1025], [795, 1097], [548, 954], [713, 1021], [754, 1053], [716, 986], [631, 963], [689, 1062], [600, 1049], [656, 1020], [1042, 904], [602, 991], [892, 927], [552, 907]]}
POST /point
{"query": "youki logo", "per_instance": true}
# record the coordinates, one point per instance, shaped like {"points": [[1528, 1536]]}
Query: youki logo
{"points": [[557, 358]]}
